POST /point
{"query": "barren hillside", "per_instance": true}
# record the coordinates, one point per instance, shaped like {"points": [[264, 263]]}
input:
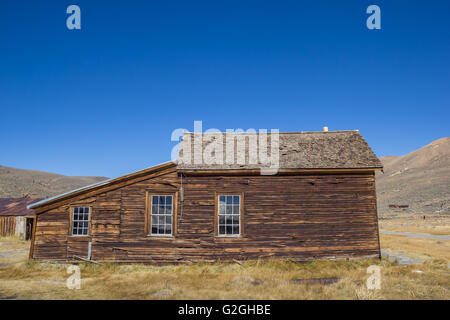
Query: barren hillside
{"points": [[420, 179], [16, 183]]}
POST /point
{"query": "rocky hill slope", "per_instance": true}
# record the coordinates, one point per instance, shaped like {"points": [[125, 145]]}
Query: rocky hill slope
{"points": [[16, 183], [420, 179]]}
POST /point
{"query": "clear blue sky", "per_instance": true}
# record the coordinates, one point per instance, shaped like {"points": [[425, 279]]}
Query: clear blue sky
{"points": [[104, 100]]}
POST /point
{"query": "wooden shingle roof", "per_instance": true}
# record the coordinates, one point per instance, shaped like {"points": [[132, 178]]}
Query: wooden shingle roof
{"points": [[297, 150]]}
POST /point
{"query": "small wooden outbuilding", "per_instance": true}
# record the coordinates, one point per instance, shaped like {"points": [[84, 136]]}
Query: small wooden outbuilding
{"points": [[16, 218]]}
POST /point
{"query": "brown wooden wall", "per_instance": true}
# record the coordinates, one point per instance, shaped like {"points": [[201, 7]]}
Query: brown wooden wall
{"points": [[302, 217], [7, 225]]}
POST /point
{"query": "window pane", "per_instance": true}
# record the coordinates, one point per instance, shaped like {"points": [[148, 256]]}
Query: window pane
{"points": [[80, 221], [161, 215], [228, 215], [166, 219]]}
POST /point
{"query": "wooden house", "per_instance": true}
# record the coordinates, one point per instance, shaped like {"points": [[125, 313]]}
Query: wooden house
{"points": [[319, 204], [16, 218]]}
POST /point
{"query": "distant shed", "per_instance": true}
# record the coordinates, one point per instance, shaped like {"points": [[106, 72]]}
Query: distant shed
{"points": [[15, 218]]}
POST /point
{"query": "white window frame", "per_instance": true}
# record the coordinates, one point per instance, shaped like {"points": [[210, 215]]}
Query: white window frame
{"points": [[160, 215], [226, 214], [78, 221]]}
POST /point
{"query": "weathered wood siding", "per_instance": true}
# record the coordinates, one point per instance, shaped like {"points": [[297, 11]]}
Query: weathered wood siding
{"points": [[302, 217], [7, 225]]}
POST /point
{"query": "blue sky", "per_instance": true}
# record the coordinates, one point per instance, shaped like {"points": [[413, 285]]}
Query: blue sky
{"points": [[105, 99]]}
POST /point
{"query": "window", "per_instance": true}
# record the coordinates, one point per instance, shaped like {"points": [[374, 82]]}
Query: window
{"points": [[229, 215], [80, 221], [161, 221]]}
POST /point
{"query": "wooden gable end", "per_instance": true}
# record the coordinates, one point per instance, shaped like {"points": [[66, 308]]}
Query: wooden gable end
{"points": [[118, 215]]}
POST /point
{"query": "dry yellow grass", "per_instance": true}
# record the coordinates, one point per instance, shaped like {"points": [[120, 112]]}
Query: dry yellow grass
{"points": [[251, 280], [421, 248], [13, 250], [13, 240], [22, 279], [436, 224]]}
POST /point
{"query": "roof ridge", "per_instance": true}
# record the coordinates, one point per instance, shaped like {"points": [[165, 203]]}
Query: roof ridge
{"points": [[287, 132]]}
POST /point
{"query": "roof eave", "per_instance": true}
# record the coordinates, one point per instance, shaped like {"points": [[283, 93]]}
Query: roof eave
{"points": [[280, 170]]}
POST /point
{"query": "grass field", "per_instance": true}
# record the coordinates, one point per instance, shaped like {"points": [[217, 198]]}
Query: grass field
{"points": [[20, 279], [273, 279]]}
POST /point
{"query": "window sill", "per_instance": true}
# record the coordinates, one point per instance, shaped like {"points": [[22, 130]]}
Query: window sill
{"points": [[79, 236], [161, 236], [229, 237]]}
